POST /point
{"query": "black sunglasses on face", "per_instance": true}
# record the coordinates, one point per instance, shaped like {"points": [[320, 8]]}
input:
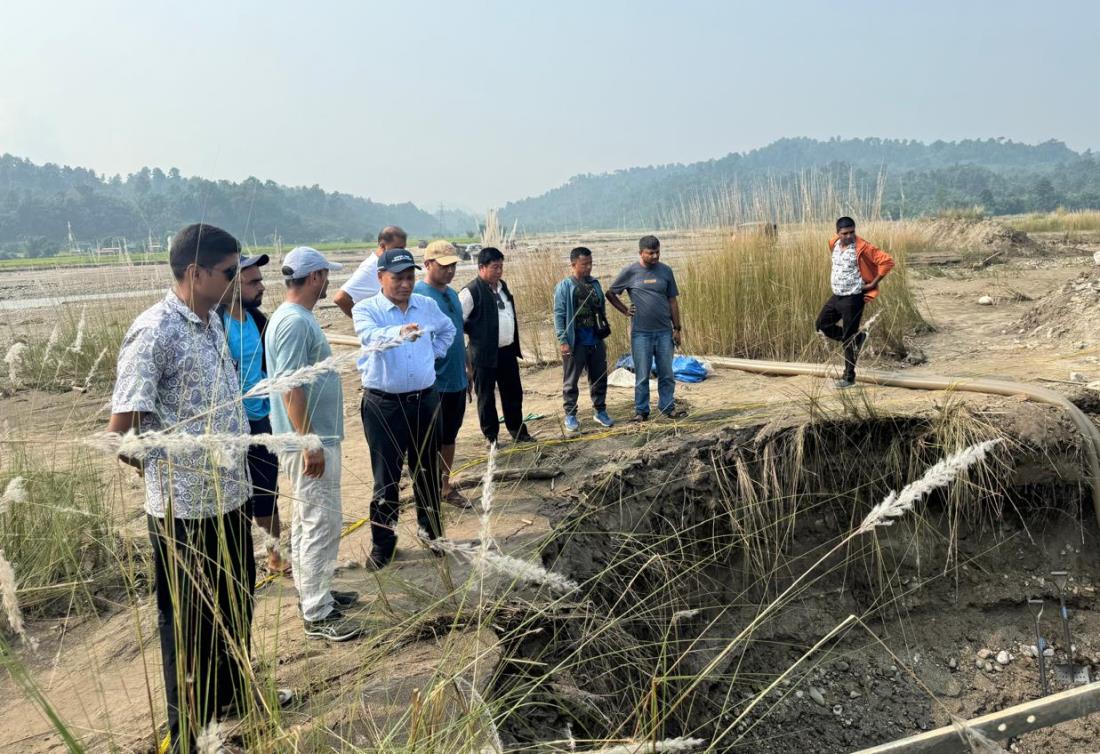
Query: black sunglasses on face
{"points": [[229, 272]]}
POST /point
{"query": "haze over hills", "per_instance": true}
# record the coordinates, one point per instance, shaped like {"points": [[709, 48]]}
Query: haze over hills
{"points": [[38, 204], [1002, 176]]}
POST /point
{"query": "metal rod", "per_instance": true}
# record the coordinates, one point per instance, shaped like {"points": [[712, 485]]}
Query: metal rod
{"points": [[1036, 605]]}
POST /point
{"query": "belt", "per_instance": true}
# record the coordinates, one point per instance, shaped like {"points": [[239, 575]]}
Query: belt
{"points": [[413, 396]]}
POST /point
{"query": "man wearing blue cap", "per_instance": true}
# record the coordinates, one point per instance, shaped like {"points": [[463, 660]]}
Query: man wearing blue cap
{"points": [[294, 340], [244, 325], [400, 402]]}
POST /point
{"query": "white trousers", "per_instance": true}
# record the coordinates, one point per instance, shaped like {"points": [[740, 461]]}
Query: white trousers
{"points": [[314, 530]]}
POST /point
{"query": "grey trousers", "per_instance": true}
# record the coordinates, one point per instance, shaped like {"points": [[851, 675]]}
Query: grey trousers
{"points": [[590, 360], [314, 531]]}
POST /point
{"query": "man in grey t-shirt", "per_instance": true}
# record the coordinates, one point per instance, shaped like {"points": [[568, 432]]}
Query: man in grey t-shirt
{"points": [[294, 340], [655, 326]]}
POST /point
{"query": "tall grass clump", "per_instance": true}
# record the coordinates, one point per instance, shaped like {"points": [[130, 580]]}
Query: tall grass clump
{"points": [[58, 529], [759, 297], [79, 351], [1059, 221]]}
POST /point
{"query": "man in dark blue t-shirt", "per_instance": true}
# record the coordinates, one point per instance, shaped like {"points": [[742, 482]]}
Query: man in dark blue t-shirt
{"points": [[654, 328]]}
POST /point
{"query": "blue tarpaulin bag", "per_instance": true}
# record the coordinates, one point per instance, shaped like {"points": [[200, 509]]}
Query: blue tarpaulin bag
{"points": [[684, 368]]}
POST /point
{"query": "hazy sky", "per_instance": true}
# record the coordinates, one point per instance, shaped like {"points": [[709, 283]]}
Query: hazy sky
{"points": [[475, 103]]}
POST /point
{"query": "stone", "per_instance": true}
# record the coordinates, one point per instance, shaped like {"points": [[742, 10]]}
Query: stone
{"points": [[817, 696], [953, 663], [838, 710], [1078, 377], [1096, 259], [842, 666], [984, 654], [985, 301], [988, 667], [1003, 657]]}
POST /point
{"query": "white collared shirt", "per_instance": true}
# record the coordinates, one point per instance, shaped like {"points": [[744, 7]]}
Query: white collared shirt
{"points": [[506, 317]]}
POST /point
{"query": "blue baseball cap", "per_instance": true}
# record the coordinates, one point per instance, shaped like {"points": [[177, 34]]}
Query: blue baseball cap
{"points": [[397, 260], [302, 260]]}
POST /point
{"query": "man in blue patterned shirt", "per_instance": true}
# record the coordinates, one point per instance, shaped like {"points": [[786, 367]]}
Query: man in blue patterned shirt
{"points": [[174, 374]]}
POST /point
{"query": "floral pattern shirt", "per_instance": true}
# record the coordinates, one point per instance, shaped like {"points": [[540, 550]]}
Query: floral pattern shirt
{"points": [[176, 371], [845, 278]]}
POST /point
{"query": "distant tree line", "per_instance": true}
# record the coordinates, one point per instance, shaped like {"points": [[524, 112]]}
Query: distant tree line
{"points": [[1002, 176], [38, 204]]}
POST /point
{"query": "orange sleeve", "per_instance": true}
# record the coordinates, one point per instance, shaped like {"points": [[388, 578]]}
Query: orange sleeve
{"points": [[882, 260]]}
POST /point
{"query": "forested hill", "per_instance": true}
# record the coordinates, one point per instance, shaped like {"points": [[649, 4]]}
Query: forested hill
{"points": [[39, 202], [916, 178]]}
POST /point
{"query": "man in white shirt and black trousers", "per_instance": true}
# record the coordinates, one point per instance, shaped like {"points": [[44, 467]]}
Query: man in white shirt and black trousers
{"points": [[399, 402], [489, 314]]}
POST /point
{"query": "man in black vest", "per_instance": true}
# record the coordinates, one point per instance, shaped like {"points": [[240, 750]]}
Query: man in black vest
{"points": [[489, 316]]}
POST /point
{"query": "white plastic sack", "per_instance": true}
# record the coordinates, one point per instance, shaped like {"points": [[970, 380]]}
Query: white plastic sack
{"points": [[624, 378]]}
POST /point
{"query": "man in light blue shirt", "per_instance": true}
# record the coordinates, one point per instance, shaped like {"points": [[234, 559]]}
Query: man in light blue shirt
{"points": [[244, 326], [399, 399]]}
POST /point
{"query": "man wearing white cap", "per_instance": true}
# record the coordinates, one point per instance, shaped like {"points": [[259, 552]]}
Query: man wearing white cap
{"points": [[294, 340]]}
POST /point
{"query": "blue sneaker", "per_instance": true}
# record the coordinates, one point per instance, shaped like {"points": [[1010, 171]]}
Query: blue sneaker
{"points": [[601, 417], [571, 423]]}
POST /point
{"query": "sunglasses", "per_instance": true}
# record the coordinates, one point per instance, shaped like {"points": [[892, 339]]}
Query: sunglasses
{"points": [[229, 272]]}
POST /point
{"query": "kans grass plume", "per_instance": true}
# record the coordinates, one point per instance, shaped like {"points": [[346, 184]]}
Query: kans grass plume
{"points": [[226, 449], [55, 335], [14, 359], [9, 600], [299, 377], [940, 475], [92, 371], [485, 559], [78, 341], [15, 493]]}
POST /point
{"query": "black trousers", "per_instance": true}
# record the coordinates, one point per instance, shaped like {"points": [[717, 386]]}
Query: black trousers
{"points": [[590, 360], [263, 465], [505, 378], [204, 577], [849, 310], [402, 428]]}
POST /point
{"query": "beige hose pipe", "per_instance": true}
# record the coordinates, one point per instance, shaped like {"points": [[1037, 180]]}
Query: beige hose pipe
{"points": [[936, 382]]}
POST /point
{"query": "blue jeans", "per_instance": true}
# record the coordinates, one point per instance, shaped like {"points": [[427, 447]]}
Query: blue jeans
{"points": [[644, 346]]}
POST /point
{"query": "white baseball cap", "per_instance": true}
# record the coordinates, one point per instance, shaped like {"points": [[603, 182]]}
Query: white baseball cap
{"points": [[302, 260]]}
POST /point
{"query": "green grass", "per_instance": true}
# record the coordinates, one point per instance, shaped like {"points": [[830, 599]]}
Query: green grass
{"points": [[1059, 221]]}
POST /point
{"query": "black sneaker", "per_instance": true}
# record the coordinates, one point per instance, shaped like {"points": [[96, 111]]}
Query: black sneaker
{"points": [[523, 436], [639, 418], [334, 627], [344, 599], [377, 562], [674, 413]]}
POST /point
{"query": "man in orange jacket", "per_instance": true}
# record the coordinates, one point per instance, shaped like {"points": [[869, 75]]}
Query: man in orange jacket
{"points": [[858, 268]]}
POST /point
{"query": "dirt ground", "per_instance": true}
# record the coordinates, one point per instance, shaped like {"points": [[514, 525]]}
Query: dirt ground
{"points": [[99, 678]]}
